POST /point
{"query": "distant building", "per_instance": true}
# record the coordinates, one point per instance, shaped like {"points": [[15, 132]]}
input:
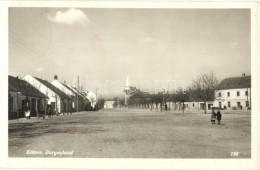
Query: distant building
{"points": [[234, 93], [92, 97], [80, 101], [109, 104], [133, 93], [194, 103], [68, 91], [19, 93]]}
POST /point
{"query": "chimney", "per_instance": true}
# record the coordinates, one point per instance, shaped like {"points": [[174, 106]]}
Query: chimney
{"points": [[244, 74], [64, 82], [55, 77]]}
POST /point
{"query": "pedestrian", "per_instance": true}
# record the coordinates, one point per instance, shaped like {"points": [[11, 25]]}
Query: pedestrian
{"points": [[213, 117], [27, 111], [49, 112], [219, 117]]}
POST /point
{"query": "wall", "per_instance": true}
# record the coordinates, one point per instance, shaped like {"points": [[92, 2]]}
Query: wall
{"points": [[233, 98]]}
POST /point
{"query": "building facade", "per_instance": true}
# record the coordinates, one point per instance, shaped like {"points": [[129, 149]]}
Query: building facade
{"points": [[79, 101], [109, 104], [58, 101], [234, 93], [21, 92]]}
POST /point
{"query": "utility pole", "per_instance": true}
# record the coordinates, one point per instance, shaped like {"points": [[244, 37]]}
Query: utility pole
{"points": [[18, 93], [96, 98], [78, 95]]}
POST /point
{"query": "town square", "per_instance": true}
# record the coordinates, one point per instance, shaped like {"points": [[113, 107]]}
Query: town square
{"points": [[135, 133], [139, 83]]}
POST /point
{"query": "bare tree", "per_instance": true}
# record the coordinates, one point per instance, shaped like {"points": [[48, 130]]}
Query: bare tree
{"points": [[181, 96], [204, 87]]}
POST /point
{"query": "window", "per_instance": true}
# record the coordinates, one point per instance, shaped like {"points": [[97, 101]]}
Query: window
{"points": [[219, 94], [238, 93], [219, 104], [238, 104], [228, 94], [192, 104], [246, 93], [228, 104]]}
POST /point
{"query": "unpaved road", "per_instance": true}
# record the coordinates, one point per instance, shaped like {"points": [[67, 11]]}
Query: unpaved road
{"points": [[130, 133]]}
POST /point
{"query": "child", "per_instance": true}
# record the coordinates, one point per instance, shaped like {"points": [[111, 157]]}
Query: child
{"points": [[213, 117]]}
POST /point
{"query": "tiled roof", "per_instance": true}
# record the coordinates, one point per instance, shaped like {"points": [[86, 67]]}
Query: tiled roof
{"points": [[140, 94], [18, 85], [68, 88], [193, 96], [80, 93], [11, 88], [53, 88], [235, 83]]}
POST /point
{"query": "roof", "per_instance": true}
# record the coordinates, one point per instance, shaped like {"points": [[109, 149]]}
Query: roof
{"points": [[193, 96], [235, 83], [11, 88], [140, 94], [68, 87], [53, 88], [18, 85], [79, 92]]}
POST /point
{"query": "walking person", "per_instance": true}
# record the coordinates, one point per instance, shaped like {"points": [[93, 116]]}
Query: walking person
{"points": [[213, 117], [27, 111], [219, 117], [49, 112]]}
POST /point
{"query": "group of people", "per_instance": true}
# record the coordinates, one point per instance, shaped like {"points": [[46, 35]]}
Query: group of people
{"points": [[216, 116], [49, 112]]}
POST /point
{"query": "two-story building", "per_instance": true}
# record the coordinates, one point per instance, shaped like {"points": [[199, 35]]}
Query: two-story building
{"points": [[234, 93]]}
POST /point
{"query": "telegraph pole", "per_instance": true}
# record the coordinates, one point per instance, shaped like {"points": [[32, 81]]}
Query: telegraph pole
{"points": [[96, 99], [78, 95]]}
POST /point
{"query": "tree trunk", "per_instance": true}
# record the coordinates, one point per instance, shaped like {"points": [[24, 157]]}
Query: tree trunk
{"points": [[205, 107], [183, 109]]}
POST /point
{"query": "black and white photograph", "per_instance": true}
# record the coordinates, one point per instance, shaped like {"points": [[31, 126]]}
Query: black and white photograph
{"points": [[132, 83]]}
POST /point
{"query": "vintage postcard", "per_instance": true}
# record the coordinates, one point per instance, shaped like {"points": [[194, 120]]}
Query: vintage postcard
{"points": [[129, 85]]}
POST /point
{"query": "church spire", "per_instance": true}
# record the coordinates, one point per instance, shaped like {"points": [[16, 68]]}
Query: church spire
{"points": [[127, 84]]}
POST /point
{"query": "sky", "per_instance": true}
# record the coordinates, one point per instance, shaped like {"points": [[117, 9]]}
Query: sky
{"points": [[152, 46]]}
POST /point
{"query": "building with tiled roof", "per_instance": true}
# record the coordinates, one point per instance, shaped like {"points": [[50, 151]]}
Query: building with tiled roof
{"points": [[21, 92], [58, 101], [24, 87], [235, 83], [195, 103], [53, 88], [78, 103], [234, 93]]}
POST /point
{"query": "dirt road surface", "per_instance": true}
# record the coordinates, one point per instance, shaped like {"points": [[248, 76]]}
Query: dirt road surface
{"points": [[128, 133]]}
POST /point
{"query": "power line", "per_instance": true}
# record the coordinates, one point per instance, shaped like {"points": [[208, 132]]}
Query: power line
{"points": [[29, 48]]}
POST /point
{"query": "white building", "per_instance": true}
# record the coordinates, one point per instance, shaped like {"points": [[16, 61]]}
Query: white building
{"points": [[234, 93], [109, 104], [92, 97], [61, 86], [57, 100]]}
